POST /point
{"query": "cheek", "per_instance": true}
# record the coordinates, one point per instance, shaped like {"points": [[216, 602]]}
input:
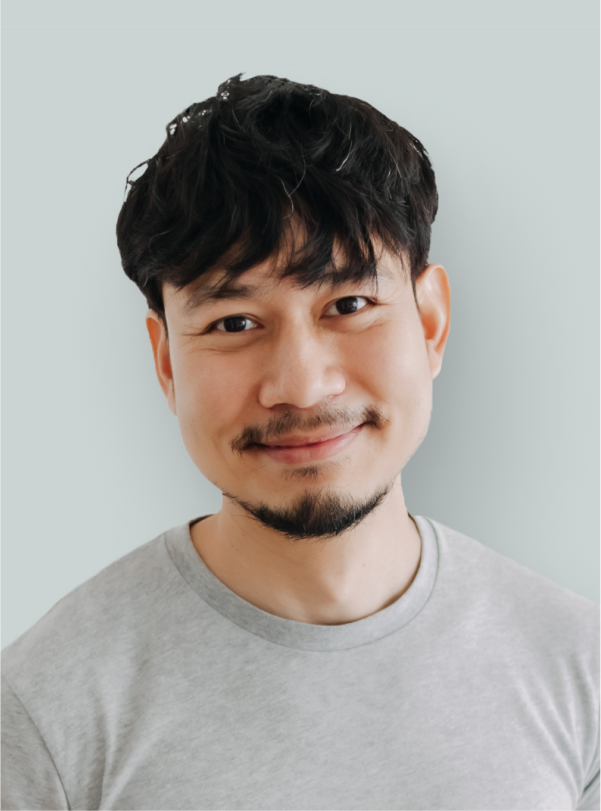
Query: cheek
{"points": [[391, 367], [391, 362], [211, 393]]}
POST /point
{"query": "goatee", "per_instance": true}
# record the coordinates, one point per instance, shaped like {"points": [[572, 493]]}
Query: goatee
{"points": [[316, 514]]}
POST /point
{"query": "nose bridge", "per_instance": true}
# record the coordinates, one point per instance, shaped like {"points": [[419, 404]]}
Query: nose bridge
{"points": [[302, 367]]}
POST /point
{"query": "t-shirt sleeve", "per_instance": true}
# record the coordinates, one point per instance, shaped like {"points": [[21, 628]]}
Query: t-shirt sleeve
{"points": [[30, 779], [591, 797]]}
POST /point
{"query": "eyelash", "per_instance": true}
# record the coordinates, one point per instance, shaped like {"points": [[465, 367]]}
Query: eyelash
{"points": [[213, 326]]}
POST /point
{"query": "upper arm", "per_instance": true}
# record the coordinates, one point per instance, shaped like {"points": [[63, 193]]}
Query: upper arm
{"points": [[30, 779]]}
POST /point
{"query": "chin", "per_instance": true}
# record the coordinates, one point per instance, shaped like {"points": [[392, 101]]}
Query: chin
{"points": [[318, 513]]}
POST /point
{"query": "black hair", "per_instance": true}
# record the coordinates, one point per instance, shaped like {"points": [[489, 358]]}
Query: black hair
{"points": [[237, 169]]}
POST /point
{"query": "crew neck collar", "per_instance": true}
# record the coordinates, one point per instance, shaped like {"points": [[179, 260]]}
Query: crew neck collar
{"points": [[301, 635]]}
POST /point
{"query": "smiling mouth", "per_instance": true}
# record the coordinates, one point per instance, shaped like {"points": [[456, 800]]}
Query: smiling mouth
{"points": [[302, 441], [295, 450]]}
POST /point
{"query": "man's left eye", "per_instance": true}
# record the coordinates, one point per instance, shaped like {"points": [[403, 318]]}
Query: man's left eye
{"points": [[347, 305]]}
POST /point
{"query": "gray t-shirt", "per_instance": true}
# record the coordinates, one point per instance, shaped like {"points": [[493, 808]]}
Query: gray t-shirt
{"points": [[153, 686]]}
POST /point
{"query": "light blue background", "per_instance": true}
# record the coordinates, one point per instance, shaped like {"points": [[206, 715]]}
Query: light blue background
{"points": [[505, 97]]}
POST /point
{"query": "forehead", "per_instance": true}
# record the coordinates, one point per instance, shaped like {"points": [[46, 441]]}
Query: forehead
{"points": [[270, 276]]}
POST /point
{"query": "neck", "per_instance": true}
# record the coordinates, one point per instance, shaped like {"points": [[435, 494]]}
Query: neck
{"points": [[330, 582]]}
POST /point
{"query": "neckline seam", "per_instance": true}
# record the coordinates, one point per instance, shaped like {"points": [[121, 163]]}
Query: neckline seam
{"points": [[229, 616]]}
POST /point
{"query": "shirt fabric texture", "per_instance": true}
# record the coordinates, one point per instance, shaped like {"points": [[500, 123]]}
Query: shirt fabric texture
{"points": [[154, 686]]}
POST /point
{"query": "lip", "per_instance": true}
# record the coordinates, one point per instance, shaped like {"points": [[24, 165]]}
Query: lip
{"points": [[294, 450]]}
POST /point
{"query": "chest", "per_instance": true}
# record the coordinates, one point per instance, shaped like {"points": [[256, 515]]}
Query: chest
{"points": [[307, 735]]}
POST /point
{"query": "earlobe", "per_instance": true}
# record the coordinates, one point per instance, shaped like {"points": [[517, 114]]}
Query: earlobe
{"points": [[433, 295], [162, 359]]}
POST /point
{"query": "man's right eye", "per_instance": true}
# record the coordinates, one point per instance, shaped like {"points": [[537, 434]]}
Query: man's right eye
{"points": [[234, 323]]}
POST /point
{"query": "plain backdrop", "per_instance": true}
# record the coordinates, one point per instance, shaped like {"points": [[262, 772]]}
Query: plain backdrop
{"points": [[504, 95]]}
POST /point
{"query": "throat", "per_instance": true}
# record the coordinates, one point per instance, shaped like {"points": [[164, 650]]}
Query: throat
{"points": [[347, 577]]}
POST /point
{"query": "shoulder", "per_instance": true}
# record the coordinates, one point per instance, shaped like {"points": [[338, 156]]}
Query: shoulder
{"points": [[507, 596], [530, 642], [100, 615], [68, 677]]}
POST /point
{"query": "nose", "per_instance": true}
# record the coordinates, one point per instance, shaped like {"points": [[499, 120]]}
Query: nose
{"points": [[301, 370]]}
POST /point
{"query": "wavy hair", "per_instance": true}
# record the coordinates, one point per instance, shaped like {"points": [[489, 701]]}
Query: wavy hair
{"points": [[236, 170]]}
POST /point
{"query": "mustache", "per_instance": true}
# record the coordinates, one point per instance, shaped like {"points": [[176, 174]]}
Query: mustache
{"points": [[289, 421]]}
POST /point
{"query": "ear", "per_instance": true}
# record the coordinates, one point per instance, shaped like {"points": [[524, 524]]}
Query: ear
{"points": [[162, 359], [433, 295]]}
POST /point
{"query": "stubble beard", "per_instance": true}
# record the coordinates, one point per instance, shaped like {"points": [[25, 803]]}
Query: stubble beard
{"points": [[319, 513]]}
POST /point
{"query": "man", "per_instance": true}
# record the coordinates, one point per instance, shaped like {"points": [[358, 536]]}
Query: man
{"points": [[311, 645]]}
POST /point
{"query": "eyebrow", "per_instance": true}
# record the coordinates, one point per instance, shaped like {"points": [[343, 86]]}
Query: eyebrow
{"points": [[223, 291], [230, 289]]}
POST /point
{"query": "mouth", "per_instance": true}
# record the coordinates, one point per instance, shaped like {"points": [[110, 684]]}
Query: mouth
{"points": [[295, 449]]}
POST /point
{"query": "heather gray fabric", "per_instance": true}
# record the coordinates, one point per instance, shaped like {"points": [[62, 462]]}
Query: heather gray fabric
{"points": [[153, 686]]}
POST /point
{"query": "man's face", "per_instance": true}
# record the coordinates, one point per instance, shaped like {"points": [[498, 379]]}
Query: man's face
{"points": [[283, 393]]}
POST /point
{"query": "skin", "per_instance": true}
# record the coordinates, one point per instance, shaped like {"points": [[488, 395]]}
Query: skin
{"points": [[301, 357]]}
